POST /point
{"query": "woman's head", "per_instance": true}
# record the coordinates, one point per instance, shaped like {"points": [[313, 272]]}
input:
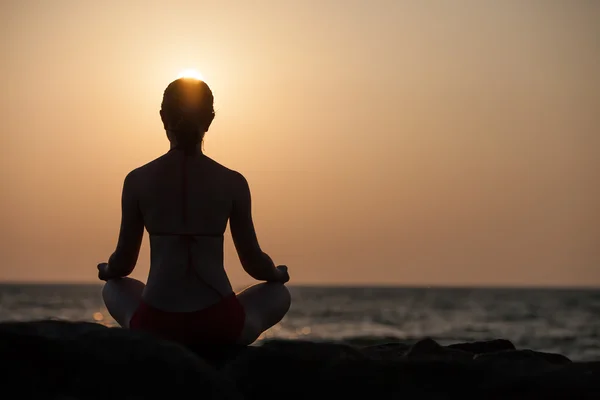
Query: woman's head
{"points": [[187, 111]]}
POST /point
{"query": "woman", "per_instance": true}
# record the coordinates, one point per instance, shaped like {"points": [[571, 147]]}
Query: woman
{"points": [[184, 199]]}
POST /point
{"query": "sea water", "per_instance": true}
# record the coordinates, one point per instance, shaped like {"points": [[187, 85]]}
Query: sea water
{"points": [[566, 321]]}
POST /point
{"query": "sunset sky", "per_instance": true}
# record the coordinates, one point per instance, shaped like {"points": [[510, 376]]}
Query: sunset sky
{"points": [[385, 142]]}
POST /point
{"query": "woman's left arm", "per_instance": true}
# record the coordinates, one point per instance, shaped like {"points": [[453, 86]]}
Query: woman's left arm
{"points": [[122, 262]]}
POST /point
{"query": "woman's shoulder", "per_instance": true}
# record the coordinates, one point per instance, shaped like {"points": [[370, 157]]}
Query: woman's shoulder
{"points": [[225, 174], [226, 171], [144, 170]]}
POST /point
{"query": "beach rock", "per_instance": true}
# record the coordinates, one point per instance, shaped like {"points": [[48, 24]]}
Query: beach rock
{"points": [[490, 346], [57, 359], [401, 378], [428, 349], [280, 366], [385, 351], [507, 356], [53, 359]]}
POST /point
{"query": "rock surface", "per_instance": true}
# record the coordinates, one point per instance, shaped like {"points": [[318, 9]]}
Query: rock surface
{"points": [[55, 359]]}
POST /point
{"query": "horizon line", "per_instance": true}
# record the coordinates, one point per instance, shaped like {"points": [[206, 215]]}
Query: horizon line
{"points": [[369, 285]]}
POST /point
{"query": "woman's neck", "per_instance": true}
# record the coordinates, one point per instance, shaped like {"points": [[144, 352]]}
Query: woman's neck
{"points": [[198, 148]]}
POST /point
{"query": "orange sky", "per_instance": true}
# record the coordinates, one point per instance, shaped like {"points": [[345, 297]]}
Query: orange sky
{"points": [[390, 142]]}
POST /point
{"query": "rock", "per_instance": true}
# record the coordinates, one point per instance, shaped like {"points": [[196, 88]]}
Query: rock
{"points": [[52, 359], [490, 346], [280, 366], [571, 380], [307, 350], [385, 351], [428, 349], [553, 358], [63, 330], [403, 378], [523, 355]]}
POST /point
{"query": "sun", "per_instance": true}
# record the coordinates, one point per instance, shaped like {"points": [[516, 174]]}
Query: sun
{"points": [[190, 73]]}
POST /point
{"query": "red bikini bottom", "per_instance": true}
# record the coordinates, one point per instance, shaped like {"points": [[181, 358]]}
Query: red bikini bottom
{"points": [[220, 324]]}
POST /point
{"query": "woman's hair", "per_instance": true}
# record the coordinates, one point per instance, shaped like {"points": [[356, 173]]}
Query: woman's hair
{"points": [[187, 111]]}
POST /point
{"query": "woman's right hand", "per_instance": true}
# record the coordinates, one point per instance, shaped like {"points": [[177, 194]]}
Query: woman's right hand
{"points": [[283, 275]]}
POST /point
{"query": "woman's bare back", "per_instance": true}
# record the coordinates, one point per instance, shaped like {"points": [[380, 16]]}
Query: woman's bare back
{"points": [[185, 202]]}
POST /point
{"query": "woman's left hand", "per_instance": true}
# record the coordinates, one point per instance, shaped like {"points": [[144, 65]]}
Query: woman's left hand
{"points": [[103, 272]]}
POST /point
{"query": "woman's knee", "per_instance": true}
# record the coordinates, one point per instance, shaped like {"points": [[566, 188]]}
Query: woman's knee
{"points": [[280, 301], [108, 290], [271, 299], [122, 291], [285, 297], [265, 304], [121, 298], [112, 288], [272, 293], [126, 284]]}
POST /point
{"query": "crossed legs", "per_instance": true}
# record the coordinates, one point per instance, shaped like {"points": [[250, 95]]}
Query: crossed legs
{"points": [[265, 304]]}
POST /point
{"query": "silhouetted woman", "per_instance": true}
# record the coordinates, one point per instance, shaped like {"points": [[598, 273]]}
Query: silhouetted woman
{"points": [[185, 199]]}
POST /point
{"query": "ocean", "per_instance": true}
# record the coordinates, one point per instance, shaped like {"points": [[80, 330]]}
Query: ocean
{"points": [[565, 321]]}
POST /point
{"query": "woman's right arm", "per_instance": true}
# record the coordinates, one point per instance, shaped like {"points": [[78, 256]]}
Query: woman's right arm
{"points": [[255, 262]]}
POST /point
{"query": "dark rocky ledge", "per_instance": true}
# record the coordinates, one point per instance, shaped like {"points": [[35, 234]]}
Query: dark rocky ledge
{"points": [[66, 360]]}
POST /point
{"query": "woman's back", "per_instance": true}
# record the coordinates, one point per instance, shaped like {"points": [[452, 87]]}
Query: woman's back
{"points": [[186, 202]]}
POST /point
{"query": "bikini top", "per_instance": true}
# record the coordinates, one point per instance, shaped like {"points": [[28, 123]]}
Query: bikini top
{"points": [[188, 237]]}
